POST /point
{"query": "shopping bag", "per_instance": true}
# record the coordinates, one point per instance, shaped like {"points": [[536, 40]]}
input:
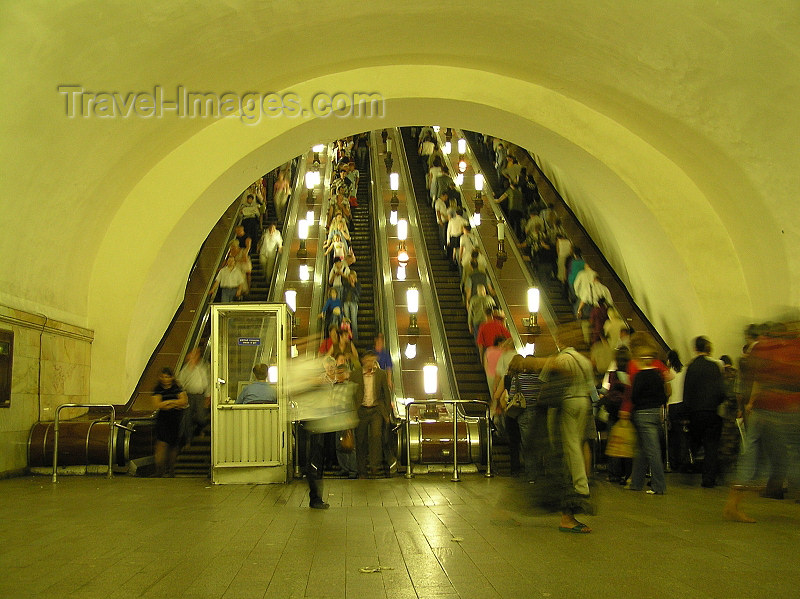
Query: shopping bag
{"points": [[621, 440]]}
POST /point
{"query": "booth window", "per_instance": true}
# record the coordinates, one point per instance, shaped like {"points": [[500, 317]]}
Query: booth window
{"points": [[6, 356]]}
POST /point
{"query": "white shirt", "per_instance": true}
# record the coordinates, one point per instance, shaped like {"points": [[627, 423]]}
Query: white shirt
{"points": [[195, 379], [271, 243], [230, 277], [455, 226]]}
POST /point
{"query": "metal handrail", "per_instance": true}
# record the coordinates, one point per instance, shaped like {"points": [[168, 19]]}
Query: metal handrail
{"points": [[456, 403], [111, 425]]}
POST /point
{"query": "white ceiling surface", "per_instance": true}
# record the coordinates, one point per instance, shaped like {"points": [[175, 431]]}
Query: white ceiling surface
{"points": [[672, 126]]}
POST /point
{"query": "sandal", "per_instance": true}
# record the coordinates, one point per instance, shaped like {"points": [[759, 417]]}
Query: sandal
{"points": [[579, 528]]}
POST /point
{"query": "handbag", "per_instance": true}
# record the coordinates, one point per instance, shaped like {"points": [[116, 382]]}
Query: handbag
{"points": [[516, 403], [621, 440], [347, 442]]}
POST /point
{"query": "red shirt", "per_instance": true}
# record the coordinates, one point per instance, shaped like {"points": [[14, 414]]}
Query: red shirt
{"points": [[490, 330]]}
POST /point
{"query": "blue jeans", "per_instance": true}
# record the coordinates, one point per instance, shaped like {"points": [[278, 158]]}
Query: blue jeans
{"points": [[350, 310], [648, 427]]}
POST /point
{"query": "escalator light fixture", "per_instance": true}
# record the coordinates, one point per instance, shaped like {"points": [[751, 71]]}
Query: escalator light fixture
{"points": [[479, 182], [501, 231], [293, 351], [462, 165], [475, 219], [436, 128], [291, 299], [430, 378], [302, 229], [533, 300], [447, 148], [462, 146], [412, 300], [311, 180], [393, 217], [411, 351], [304, 274], [318, 148], [310, 217], [394, 181], [528, 350], [402, 257], [272, 374], [459, 180], [402, 229], [401, 272]]}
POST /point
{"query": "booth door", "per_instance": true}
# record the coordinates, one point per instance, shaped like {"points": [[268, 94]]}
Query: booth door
{"points": [[249, 441]]}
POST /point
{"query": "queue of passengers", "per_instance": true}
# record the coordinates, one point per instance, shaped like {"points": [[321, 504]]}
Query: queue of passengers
{"points": [[370, 455], [251, 238]]}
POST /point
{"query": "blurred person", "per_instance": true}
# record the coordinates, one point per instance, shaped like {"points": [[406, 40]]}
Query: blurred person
{"points": [[515, 206], [243, 263], [330, 340], [563, 251], [521, 375], [568, 389], [477, 276], [345, 456], [194, 377], [730, 436], [616, 384], [332, 310], [772, 411], [270, 246], [613, 327], [345, 352], [677, 419], [243, 239], [170, 400], [280, 194], [351, 295], [493, 328], [339, 271], [703, 392], [455, 228], [649, 393], [251, 220], [259, 391], [229, 280], [374, 413], [477, 308]]}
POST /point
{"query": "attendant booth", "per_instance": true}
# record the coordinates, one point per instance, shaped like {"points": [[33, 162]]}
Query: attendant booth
{"points": [[250, 442]]}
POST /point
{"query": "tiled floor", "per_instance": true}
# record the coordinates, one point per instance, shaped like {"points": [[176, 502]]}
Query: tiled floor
{"points": [[89, 537]]}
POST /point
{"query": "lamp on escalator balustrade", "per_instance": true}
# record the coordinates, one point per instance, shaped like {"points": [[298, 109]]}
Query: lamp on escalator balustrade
{"points": [[501, 243], [304, 273], [447, 148], [436, 128], [290, 295], [394, 183], [310, 218], [478, 192], [412, 301], [402, 235], [393, 217], [462, 148], [430, 379], [462, 166], [312, 180], [411, 351], [401, 272], [459, 179], [533, 308], [302, 233]]}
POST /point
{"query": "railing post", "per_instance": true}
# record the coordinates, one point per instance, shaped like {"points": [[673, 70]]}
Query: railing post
{"points": [[55, 446], [488, 442], [409, 474], [455, 478], [113, 418]]}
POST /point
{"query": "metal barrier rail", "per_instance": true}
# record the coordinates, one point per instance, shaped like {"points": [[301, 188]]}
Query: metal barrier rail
{"points": [[111, 424], [456, 403]]}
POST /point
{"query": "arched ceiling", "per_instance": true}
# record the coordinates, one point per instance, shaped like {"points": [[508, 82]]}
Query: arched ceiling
{"points": [[671, 126]]}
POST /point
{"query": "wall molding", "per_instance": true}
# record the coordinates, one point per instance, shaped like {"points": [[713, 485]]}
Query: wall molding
{"points": [[42, 323]]}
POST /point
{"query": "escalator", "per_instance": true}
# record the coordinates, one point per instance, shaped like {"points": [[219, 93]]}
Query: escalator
{"points": [[466, 364], [363, 244], [554, 292]]}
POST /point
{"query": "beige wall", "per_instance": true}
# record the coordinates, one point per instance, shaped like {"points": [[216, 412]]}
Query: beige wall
{"points": [[674, 125], [58, 353]]}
